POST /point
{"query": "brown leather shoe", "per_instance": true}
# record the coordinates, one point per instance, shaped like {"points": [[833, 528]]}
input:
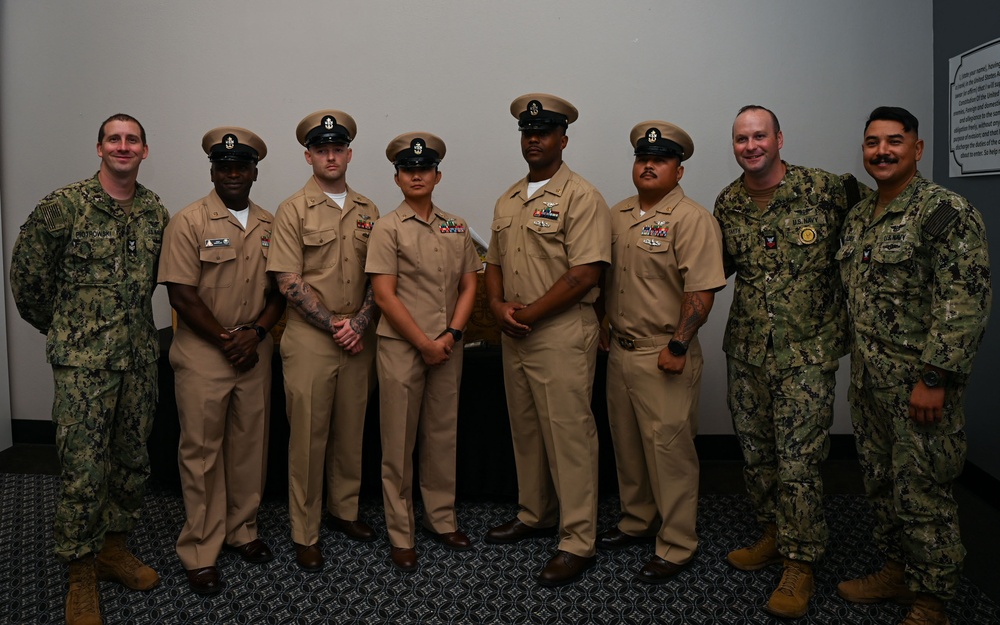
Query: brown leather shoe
{"points": [[516, 531], [456, 541], [255, 552], [309, 557], [205, 581], [614, 539], [658, 571], [404, 558], [564, 568], [356, 530]]}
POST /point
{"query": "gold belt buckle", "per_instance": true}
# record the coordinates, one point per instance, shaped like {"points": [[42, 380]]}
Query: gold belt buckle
{"points": [[626, 342]]}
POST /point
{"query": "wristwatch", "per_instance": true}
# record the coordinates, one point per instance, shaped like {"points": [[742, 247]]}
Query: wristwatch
{"points": [[931, 378], [261, 332], [677, 348], [456, 334]]}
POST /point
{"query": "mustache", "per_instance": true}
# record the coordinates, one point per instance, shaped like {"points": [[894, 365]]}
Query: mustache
{"points": [[878, 160]]}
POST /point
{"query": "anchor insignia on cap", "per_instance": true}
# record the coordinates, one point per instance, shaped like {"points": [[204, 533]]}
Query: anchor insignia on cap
{"points": [[652, 135], [229, 141], [534, 107], [418, 148], [329, 122]]}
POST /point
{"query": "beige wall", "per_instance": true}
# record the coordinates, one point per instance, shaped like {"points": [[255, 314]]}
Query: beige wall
{"points": [[447, 66]]}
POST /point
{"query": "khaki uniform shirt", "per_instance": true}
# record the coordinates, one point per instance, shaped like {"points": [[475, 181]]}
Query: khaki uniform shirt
{"points": [[788, 290], [428, 259], [918, 284], [535, 241], [206, 247], [83, 272], [325, 244], [676, 247]]}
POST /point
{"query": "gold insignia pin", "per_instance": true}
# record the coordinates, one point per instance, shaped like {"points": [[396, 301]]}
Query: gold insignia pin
{"points": [[807, 235]]}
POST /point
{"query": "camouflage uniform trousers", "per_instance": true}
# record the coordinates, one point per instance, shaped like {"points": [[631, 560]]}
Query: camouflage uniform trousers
{"points": [[782, 418], [103, 419], [908, 471]]}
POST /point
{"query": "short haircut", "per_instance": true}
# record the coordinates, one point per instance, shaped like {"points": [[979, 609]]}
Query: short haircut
{"points": [[757, 107], [121, 117], [894, 114]]}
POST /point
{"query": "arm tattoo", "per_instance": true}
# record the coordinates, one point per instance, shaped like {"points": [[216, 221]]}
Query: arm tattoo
{"points": [[302, 298], [366, 314], [694, 313]]}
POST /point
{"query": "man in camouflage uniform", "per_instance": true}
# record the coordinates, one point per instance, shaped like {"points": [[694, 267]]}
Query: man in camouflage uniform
{"points": [[83, 271], [785, 335], [916, 267]]}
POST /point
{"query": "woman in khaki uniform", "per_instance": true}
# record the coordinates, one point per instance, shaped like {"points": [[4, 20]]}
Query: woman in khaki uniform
{"points": [[422, 266]]}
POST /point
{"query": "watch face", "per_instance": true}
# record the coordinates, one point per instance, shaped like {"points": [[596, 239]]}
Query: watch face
{"points": [[931, 379]]}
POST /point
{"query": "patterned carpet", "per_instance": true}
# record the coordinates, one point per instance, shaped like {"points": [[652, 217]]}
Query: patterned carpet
{"points": [[489, 584]]}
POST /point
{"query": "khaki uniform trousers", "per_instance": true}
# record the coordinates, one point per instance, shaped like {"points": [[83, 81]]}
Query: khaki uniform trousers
{"points": [[224, 418], [418, 406], [549, 378], [326, 391], [654, 418]]}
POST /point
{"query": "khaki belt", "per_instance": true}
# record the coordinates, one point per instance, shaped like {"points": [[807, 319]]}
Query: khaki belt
{"points": [[630, 342]]}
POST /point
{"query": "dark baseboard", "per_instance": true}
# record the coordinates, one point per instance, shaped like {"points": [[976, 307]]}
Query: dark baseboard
{"points": [[984, 485], [32, 432], [711, 448]]}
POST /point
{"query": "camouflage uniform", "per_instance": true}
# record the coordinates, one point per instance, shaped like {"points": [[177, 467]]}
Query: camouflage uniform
{"points": [[82, 271], [918, 292], [785, 335]]}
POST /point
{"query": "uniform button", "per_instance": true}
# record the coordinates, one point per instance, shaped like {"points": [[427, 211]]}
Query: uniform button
{"points": [[516, 273], [440, 309], [344, 237], [348, 281], [440, 288], [518, 249], [247, 258], [248, 280]]}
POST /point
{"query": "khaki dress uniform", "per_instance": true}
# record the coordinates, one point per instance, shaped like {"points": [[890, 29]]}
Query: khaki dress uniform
{"points": [[674, 248], [549, 374], [418, 404], [326, 388], [224, 414]]}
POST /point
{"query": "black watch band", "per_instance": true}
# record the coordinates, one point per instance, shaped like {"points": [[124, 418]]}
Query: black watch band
{"points": [[456, 334], [261, 332], [931, 378], [677, 348]]}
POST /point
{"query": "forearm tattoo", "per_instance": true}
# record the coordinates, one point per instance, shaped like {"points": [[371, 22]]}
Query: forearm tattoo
{"points": [[694, 313], [302, 298], [366, 314]]}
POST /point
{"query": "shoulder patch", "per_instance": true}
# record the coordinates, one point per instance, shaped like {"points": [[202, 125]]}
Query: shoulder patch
{"points": [[53, 215], [940, 220]]}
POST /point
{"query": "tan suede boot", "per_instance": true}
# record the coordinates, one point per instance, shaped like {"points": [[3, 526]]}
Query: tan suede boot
{"points": [[926, 610], [884, 585], [791, 598], [762, 553], [116, 564], [83, 602]]}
